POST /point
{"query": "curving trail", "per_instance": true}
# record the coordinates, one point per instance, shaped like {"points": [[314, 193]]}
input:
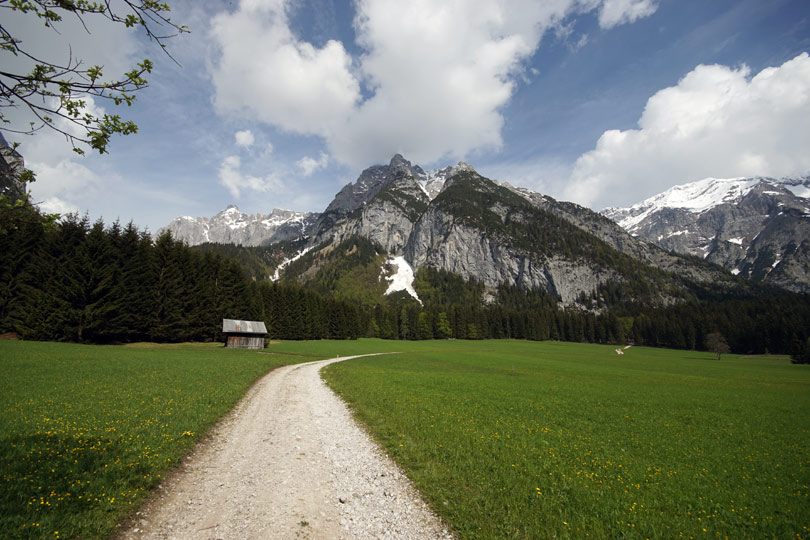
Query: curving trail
{"points": [[288, 462]]}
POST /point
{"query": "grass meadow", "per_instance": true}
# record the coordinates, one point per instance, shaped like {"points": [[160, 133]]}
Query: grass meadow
{"points": [[512, 439], [506, 439], [88, 431]]}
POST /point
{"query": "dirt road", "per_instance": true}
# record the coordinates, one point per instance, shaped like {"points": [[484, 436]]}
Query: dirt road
{"points": [[288, 463]]}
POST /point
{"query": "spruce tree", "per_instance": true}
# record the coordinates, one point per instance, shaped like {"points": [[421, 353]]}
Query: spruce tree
{"points": [[168, 291]]}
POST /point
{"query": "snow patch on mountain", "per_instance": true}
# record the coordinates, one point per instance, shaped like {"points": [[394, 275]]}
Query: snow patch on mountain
{"points": [[402, 279], [737, 223], [432, 182], [289, 261], [800, 190]]}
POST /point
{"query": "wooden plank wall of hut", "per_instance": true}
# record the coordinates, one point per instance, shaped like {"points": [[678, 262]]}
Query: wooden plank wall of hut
{"points": [[245, 342]]}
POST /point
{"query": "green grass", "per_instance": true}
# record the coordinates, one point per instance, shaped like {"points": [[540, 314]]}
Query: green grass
{"points": [[88, 431], [582, 443], [578, 442]]}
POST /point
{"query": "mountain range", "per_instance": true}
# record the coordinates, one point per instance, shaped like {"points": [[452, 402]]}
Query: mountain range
{"points": [[758, 228], [455, 220], [231, 226]]}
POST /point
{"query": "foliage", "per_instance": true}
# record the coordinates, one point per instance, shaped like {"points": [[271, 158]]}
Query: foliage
{"points": [[88, 432], [750, 325], [410, 205], [55, 92], [77, 282], [16, 209], [549, 440], [259, 262], [800, 352], [97, 284], [717, 344], [349, 271]]}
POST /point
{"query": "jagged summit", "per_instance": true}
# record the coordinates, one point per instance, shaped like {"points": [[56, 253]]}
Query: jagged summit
{"points": [[756, 227], [232, 226], [702, 195]]}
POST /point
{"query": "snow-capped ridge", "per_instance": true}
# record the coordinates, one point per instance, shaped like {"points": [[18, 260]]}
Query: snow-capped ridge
{"points": [[696, 197], [755, 227], [232, 226], [702, 195]]}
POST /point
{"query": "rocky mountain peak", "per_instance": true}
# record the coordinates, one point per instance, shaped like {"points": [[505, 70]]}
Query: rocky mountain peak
{"points": [[756, 227], [398, 161], [461, 167]]}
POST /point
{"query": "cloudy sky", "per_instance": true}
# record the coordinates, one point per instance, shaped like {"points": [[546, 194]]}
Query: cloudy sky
{"points": [[279, 103]]}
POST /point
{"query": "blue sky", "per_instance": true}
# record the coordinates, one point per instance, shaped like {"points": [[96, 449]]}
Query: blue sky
{"points": [[279, 103]]}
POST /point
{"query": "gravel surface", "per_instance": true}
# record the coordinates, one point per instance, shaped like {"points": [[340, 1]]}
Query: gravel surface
{"points": [[288, 462]]}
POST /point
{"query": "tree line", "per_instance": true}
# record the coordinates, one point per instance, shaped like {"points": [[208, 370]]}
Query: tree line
{"points": [[92, 283], [73, 281]]}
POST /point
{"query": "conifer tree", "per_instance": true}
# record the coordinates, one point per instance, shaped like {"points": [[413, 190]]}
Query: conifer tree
{"points": [[167, 293], [133, 291]]}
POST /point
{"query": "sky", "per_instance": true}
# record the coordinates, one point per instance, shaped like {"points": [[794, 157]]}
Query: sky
{"points": [[279, 103]]}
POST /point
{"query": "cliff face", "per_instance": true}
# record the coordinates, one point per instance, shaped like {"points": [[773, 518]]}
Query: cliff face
{"points": [[439, 241], [12, 166], [382, 206]]}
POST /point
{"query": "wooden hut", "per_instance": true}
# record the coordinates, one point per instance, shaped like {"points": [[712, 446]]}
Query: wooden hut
{"points": [[244, 334]]}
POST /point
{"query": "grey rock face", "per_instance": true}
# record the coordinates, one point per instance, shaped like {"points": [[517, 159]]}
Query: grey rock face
{"points": [[592, 222], [619, 239], [758, 228], [382, 206], [405, 219], [11, 167], [354, 195], [440, 241], [234, 227]]}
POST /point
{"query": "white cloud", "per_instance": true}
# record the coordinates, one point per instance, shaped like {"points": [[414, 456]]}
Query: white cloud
{"points": [[430, 84], [244, 138], [264, 72], [60, 186], [231, 176], [309, 165], [717, 121], [616, 12], [55, 205]]}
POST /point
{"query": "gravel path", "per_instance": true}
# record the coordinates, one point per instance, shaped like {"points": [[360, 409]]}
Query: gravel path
{"points": [[288, 462]]}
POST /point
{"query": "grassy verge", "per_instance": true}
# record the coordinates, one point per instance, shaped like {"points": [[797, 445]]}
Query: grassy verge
{"points": [[513, 439], [87, 431]]}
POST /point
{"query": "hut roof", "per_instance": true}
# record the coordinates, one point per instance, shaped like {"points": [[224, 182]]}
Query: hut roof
{"points": [[243, 327]]}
